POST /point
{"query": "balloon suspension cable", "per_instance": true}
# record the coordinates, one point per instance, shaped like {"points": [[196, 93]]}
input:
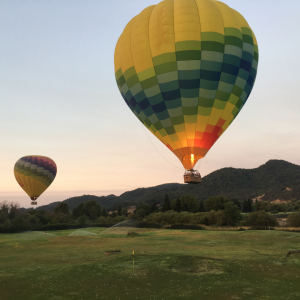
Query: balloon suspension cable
{"points": [[159, 152], [199, 163]]}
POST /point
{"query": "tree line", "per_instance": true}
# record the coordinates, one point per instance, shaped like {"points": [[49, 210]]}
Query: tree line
{"points": [[216, 210]]}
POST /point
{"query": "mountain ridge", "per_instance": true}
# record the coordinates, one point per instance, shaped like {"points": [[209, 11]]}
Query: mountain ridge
{"points": [[270, 179]]}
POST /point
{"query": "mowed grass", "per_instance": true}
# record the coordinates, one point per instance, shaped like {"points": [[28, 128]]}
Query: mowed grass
{"points": [[168, 264]]}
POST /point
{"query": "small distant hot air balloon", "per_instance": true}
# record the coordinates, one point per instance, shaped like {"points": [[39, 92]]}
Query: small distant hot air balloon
{"points": [[186, 68], [34, 174]]}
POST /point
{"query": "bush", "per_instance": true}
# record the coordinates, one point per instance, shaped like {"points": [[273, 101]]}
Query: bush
{"points": [[294, 219], [213, 218], [230, 216], [170, 217], [260, 219]]}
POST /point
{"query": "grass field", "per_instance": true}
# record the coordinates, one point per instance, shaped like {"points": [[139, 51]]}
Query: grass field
{"points": [[168, 264]]}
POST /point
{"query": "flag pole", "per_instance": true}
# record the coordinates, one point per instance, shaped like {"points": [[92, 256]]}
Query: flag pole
{"points": [[133, 260]]}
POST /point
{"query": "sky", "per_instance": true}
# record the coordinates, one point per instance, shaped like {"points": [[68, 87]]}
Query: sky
{"points": [[59, 98]]}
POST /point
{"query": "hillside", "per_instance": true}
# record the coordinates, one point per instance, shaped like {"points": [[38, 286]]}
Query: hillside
{"points": [[270, 179]]}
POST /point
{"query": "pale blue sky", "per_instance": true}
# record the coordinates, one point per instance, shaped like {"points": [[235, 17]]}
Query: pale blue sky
{"points": [[59, 98]]}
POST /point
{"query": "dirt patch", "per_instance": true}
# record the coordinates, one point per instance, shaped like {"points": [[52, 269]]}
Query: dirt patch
{"points": [[107, 253], [194, 265]]}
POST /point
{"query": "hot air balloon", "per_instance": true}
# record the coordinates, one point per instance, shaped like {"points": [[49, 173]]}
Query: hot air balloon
{"points": [[35, 173], [186, 68]]}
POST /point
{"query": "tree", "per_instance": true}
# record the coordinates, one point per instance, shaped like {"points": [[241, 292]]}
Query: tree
{"points": [[78, 210], [104, 213], [250, 202], [153, 207], [189, 203], [201, 207], [82, 220], [237, 203], [119, 211], [276, 207], [167, 204], [62, 207], [232, 214], [264, 205], [294, 219], [247, 205], [215, 203], [89, 208], [142, 211], [94, 212], [177, 206], [92, 209], [260, 219], [284, 207]]}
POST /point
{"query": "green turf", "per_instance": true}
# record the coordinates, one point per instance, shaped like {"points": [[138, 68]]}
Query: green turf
{"points": [[168, 264]]}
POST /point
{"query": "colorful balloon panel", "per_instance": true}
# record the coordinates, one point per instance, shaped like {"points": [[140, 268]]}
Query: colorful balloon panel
{"points": [[186, 68], [35, 174]]}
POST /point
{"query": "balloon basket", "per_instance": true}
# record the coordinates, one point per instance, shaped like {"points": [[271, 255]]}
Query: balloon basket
{"points": [[33, 203], [192, 176]]}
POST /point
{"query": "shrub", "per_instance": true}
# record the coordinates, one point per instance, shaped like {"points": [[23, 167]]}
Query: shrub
{"points": [[170, 217], [260, 219], [294, 219], [213, 218]]}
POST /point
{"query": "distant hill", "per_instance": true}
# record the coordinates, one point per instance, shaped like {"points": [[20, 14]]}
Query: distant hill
{"points": [[270, 179]]}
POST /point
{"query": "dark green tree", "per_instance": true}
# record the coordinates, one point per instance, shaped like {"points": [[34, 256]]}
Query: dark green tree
{"points": [[232, 214], [247, 205], [237, 203], [83, 220], [189, 203], [153, 207], [177, 206], [167, 204], [119, 211], [142, 211], [215, 203], [201, 207], [264, 205], [78, 210], [113, 214], [62, 207], [260, 219], [104, 213], [89, 208], [294, 219], [284, 207]]}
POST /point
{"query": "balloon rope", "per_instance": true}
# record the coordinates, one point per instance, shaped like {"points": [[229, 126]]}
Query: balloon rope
{"points": [[159, 152]]}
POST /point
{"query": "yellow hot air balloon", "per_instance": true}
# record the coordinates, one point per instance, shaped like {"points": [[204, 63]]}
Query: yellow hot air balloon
{"points": [[186, 68], [34, 174]]}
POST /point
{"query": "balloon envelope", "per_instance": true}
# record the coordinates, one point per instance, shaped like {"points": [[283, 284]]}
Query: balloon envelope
{"points": [[186, 68], [34, 174]]}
